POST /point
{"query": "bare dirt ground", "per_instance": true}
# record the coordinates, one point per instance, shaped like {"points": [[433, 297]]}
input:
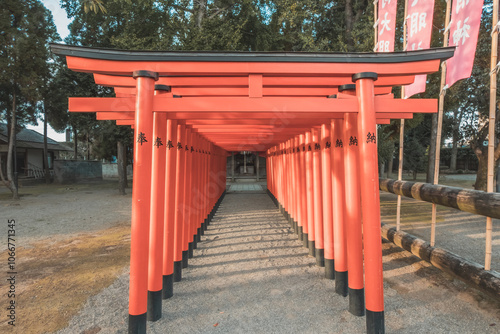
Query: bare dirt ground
{"points": [[249, 274]]}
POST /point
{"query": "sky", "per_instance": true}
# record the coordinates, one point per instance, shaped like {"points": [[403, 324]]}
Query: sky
{"points": [[61, 21]]}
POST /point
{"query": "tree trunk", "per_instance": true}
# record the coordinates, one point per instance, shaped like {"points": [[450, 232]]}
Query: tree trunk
{"points": [[390, 164], [45, 149], [200, 13], [482, 169], [122, 168], [454, 153], [10, 153], [88, 146], [432, 151], [75, 146], [349, 24]]}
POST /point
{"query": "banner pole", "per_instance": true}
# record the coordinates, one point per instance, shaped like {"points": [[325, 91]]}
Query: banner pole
{"points": [[375, 25], [491, 129], [440, 120], [401, 131]]}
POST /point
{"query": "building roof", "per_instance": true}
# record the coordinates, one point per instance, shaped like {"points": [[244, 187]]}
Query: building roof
{"points": [[31, 139]]}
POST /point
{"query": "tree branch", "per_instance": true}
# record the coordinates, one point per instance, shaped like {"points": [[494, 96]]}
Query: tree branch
{"points": [[182, 8]]}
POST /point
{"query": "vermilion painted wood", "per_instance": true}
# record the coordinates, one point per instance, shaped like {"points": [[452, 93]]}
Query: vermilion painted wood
{"points": [[179, 192], [297, 183], [317, 191], [353, 206], [309, 187], [242, 81], [339, 143], [155, 267], [168, 239], [227, 118], [187, 68], [244, 91], [273, 105], [370, 209], [186, 228], [326, 175], [141, 193], [303, 185]]}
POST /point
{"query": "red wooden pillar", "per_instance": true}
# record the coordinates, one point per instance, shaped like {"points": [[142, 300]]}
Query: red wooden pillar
{"points": [[155, 283], [339, 236], [141, 193], [297, 187], [303, 194], [179, 198], [367, 130], [168, 237], [186, 201], [310, 193], [289, 183], [194, 191], [353, 217], [326, 170], [318, 200]]}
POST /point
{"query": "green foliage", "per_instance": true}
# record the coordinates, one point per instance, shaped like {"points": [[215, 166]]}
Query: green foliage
{"points": [[26, 29]]}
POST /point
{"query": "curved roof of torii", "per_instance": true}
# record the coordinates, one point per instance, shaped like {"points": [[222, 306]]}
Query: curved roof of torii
{"points": [[251, 100]]}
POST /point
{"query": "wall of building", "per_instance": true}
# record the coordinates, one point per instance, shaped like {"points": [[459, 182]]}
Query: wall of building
{"points": [[71, 171], [110, 170]]}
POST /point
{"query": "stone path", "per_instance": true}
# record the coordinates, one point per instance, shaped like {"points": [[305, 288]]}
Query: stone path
{"points": [[251, 275]]}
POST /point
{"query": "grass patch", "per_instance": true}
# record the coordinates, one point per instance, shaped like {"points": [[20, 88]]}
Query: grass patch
{"points": [[55, 278]]}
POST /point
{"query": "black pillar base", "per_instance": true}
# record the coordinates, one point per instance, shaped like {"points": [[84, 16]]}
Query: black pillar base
{"points": [[305, 242], [168, 286], [375, 322], [205, 225], [198, 234], [185, 257], [195, 242], [191, 250], [154, 305], [329, 269], [341, 283], [202, 229], [137, 324], [320, 257], [177, 271], [357, 302], [299, 232], [311, 247], [295, 227]]}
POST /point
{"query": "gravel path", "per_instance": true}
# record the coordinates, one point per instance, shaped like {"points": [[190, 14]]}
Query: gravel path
{"points": [[61, 211], [251, 275]]}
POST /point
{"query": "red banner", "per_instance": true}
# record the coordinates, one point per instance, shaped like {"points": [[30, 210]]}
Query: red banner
{"points": [[386, 25], [419, 28], [464, 31]]}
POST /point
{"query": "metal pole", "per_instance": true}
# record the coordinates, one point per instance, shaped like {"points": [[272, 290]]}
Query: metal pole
{"points": [[491, 129], [440, 122]]}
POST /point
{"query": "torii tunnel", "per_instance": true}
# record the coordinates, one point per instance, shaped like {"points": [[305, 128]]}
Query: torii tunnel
{"points": [[313, 116]]}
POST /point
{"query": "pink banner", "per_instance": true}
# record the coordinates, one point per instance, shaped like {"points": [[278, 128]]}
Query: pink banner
{"points": [[418, 29], [386, 25], [464, 31]]}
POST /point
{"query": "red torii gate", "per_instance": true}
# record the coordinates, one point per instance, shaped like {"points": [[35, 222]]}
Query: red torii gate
{"points": [[317, 130]]}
